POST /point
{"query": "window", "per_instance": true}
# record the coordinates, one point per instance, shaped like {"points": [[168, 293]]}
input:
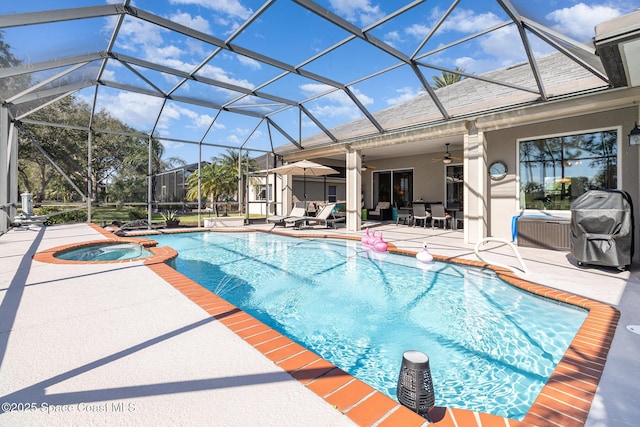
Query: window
{"points": [[556, 170], [261, 194], [394, 186], [333, 194], [402, 188], [455, 185], [381, 187]]}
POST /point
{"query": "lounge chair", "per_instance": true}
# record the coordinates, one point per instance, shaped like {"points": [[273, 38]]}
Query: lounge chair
{"points": [[325, 216], [138, 224], [297, 212]]}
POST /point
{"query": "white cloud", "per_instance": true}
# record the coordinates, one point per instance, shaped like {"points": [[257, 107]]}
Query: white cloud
{"points": [[136, 32], [466, 63], [220, 74], [366, 100], [165, 54], [504, 47], [174, 113], [229, 7], [108, 75], [392, 38], [357, 11], [467, 21], [418, 31], [462, 20], [404, 94], [197, 23], [233, 138], [335, 104], [138, 111], [314, 88], [249, 62], [336, 96], [199, 121], [579, 21], [494, 50]]}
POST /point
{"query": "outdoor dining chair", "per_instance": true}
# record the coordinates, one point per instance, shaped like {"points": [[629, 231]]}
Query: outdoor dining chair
{"points": [[438, 214], [420, 214]]}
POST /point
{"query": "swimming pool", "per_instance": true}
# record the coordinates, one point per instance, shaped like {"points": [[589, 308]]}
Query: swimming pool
{"points": [[107, 251], [491, 346]]}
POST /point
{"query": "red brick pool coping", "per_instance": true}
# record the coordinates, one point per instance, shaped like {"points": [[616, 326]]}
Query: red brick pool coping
{"points": [[564, 401]]}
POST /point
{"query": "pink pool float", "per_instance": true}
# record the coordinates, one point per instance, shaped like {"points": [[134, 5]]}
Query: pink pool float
{"points": [[367, 238], [379, 244]]}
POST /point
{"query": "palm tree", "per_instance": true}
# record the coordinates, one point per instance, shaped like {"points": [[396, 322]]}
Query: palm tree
{"points": [[229, 161], [213, 184], [447, 78]]}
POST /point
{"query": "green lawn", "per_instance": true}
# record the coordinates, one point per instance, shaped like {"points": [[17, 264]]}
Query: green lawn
{"points": [[123, 214]]}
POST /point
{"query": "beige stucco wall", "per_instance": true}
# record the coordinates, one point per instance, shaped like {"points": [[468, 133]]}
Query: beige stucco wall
{"points": [[316, 189], [502, 145], [428, 174]]}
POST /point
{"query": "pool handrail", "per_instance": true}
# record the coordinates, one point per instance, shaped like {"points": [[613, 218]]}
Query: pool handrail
{"points": [[513, 247]]}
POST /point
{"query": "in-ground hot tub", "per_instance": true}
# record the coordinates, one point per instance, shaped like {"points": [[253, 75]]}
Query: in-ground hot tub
{"points": [[107, 251]]}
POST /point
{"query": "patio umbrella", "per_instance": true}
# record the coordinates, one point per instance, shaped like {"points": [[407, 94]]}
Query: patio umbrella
{"points": [[304, 168]]}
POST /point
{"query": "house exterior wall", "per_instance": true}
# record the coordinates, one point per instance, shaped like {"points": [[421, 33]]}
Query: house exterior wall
{"points": [[502, 196], [317, 189], [258, 206], [282, 200], [171, 186], [428, 175]]}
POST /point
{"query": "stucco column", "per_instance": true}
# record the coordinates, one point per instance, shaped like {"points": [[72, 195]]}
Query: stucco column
{"points": [[287, 194], [354, 189], [475, 185]]}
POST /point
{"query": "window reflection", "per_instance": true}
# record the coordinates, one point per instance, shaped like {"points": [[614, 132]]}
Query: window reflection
{"points": [[455, 187], [395, 186], [554, 171]]}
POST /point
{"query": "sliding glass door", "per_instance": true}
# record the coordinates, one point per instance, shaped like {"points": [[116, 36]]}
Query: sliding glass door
{"points": [[395, 186], [381, 187], [455, 186], [402, 188]]}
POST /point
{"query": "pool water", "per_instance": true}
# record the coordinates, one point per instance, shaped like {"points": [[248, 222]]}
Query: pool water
{"points": [[491, 346], [106, 252]]}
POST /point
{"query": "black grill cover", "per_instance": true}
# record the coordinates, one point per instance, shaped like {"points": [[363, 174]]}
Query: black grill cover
{"points": [[602, 228]]}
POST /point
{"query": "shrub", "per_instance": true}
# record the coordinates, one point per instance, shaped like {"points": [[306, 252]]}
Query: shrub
{"points": [[137, 213], [79, 215]]}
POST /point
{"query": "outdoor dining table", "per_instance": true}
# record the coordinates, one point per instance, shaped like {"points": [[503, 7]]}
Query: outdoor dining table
{"points": [[454, 215]]}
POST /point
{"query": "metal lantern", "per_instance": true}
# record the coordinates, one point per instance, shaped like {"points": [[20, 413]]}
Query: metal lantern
{"points": [[415, 386]]}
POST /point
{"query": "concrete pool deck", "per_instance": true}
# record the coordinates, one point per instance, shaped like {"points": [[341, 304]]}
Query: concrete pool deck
{"points": [[116, 343]]}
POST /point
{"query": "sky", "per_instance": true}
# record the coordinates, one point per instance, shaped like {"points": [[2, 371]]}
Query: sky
{"points": [[292, 35]]}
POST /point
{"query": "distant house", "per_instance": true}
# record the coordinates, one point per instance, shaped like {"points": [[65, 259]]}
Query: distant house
{"points": [[171, 186]]}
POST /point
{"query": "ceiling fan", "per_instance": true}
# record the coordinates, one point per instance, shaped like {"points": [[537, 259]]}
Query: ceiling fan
{"points": [[364, 166], [447, 158]]}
